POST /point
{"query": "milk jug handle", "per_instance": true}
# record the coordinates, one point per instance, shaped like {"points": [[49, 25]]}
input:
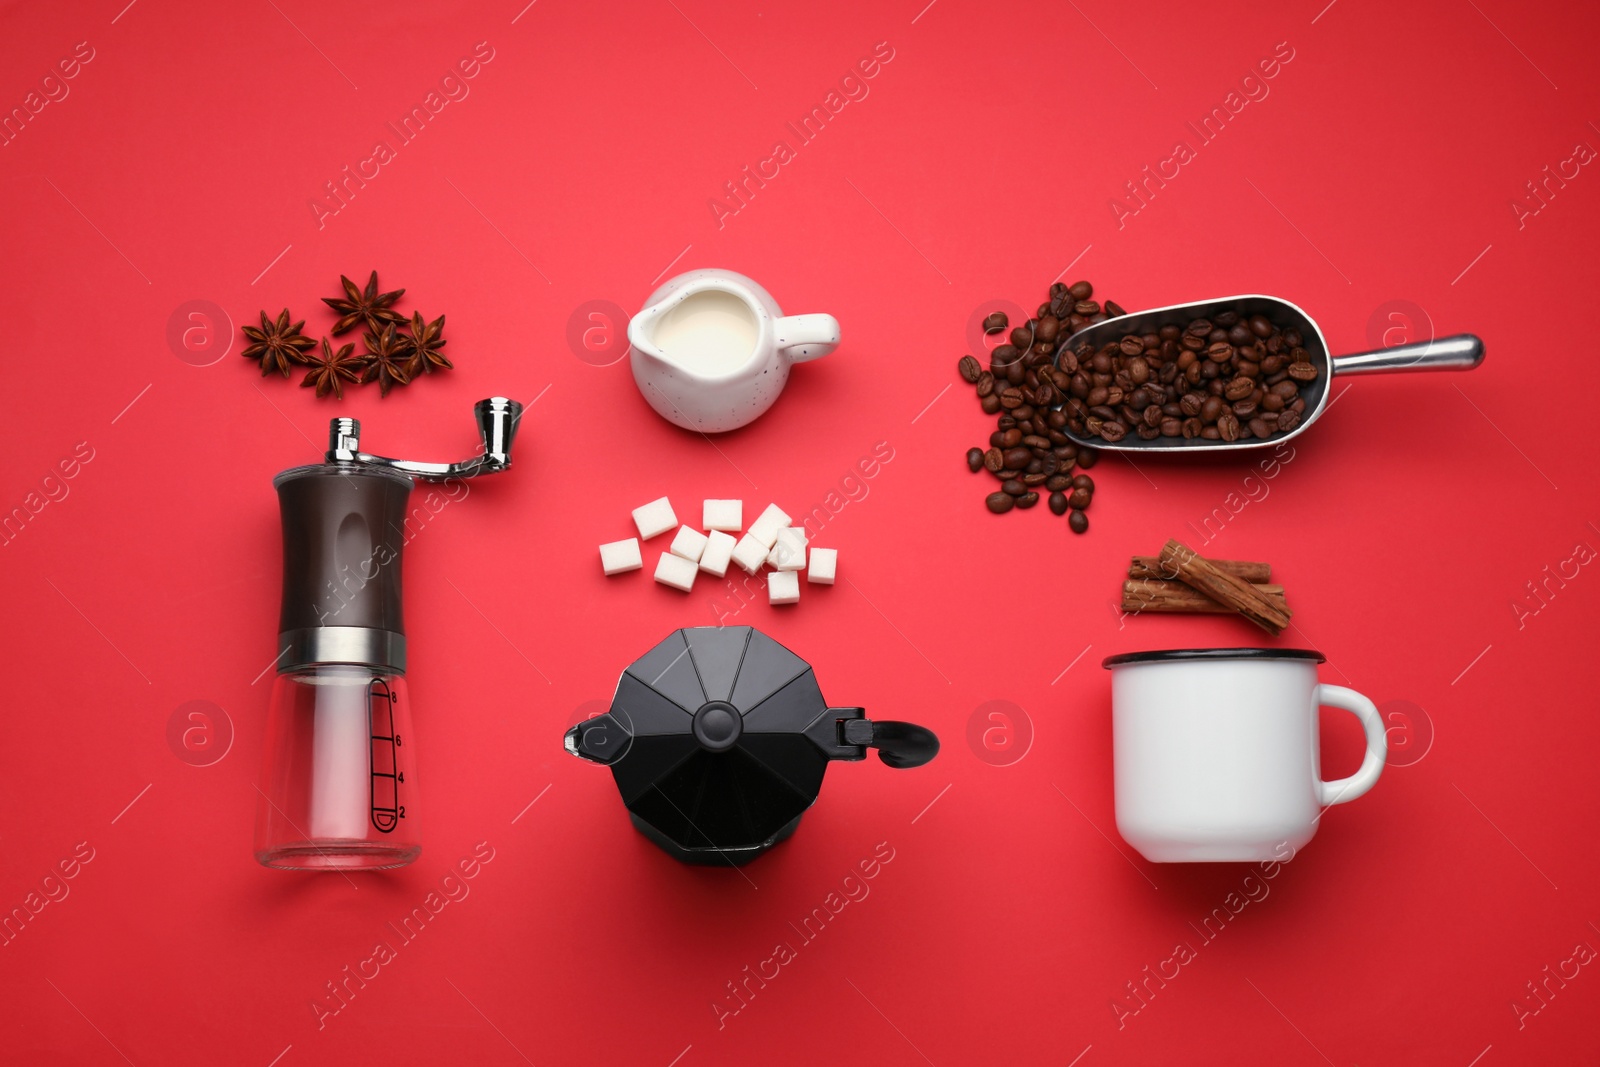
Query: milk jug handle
{"points": [[805, 337]]}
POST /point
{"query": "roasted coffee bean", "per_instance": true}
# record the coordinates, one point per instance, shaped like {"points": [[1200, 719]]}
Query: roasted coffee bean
{"points": [[1045, 395], [1033, 479], [1017, 458], [1011, 397], [1002, 356], [1079, 498], [997, 439], [1228, 426], [1288, 421], [1013, 486], [1083, 481], [1027, 500], [1087, 308], [1036, 442], [1058, 503], [1132, 345], [1198, 327], [985, 384], [1023, 411], [1114, 310], [1087, 457], [1035, 466], [1191, 403], [1171, 427], [1021, 337], [1058, 483], [1211, 408], [1078, 522], [999, 503], [1049, 326], [1219, 352], [1113, 431], [1192, 427], [975, 459], [995, 322], [1260, 326], [1080, 290], [969, 369], [1014, 372], [1010, 438], [1245, 408], [1239, 388], [1048, 464], [994, 459], [990, 404], [1303, 372]]}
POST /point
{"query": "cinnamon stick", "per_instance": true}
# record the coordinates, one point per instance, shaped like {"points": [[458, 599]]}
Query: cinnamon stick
{"points": [[1151, 567], [1233, 593], [1162, 596]]}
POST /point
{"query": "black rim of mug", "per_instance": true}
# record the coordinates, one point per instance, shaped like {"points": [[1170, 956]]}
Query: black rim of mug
{"points": [[1162, 655]]}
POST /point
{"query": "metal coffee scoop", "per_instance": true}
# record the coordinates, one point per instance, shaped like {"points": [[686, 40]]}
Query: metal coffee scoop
{"points": [[1460, 352]]}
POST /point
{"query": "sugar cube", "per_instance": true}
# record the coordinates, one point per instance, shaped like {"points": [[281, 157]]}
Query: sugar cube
{"points": [[789, 550], [676, 572], [824, 565], [718, 553], [654, 518], [689, 543], [765, 529], [783, 587], [620, 556], [750, 553], [725, 515]]}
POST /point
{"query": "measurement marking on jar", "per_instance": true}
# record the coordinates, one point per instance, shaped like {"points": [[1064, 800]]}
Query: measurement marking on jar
{"points": [[386, 777]]}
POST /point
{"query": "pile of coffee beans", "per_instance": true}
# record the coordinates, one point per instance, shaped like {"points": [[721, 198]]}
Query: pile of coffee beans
{"points": [[1028, 453], [1231, 377]]}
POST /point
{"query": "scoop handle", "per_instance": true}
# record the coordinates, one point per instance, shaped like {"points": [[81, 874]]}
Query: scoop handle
{"points": [[1460, 352]]}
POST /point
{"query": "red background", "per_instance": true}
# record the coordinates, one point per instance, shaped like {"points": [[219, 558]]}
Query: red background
{"points": [[1383, 165]]}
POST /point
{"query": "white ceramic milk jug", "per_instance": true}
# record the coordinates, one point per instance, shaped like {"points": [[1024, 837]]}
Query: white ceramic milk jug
{"points": [[711, 349]]}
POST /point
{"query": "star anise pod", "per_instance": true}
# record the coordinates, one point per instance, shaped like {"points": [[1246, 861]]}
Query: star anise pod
{"points": [[364, 305], [387, 358], [426, 340], [277, 343], [327, 370]]}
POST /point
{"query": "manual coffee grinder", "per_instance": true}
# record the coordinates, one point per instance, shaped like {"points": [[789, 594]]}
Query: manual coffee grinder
{"points": [[339, 788]]}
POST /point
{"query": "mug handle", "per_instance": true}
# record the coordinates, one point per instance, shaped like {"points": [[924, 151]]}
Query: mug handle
{"points": [[803, 337], [1347, 789]]}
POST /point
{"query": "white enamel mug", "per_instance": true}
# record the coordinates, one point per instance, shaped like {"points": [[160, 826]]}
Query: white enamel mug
{"points": [[1217, 756]]}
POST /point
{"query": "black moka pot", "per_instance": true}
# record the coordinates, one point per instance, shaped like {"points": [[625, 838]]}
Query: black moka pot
{"points": [[718, 739]]}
